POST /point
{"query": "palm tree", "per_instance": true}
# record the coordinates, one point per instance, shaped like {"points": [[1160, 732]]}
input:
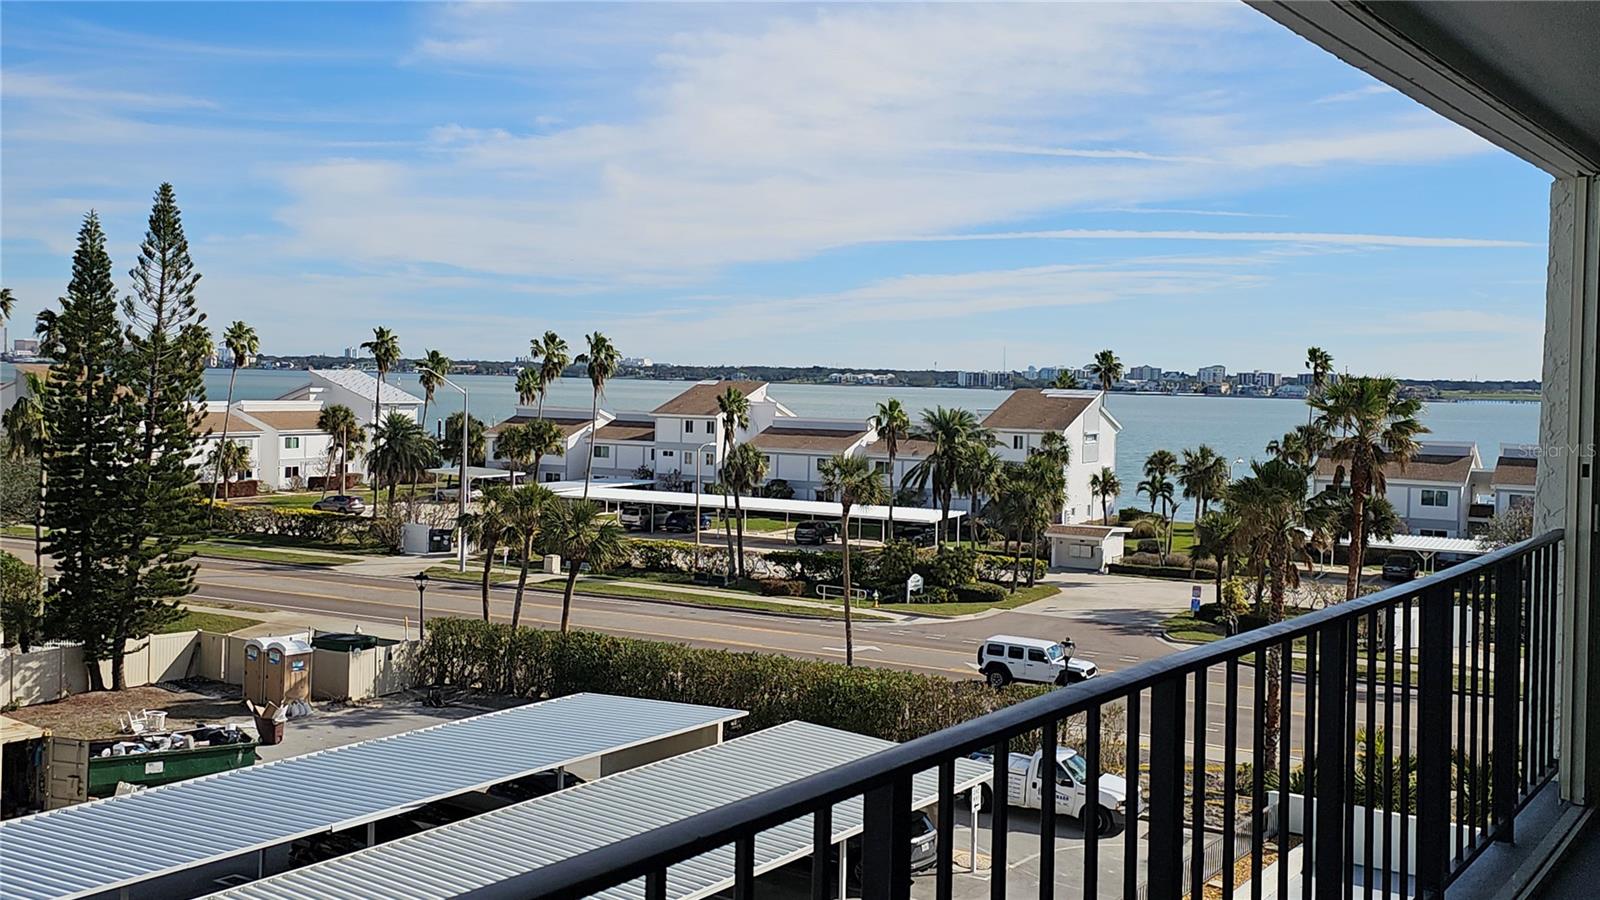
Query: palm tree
{"points": [[485, 529], [1107, 370], [527, 444], [1047, 490], [948, 430], [242, 343], [401, 451], [28, 435], [345, 436], [1204, 476], [8, 304], [431, 370], [1065, 381], [733, 408], [850, 480], [528, 389], [551, 351], [1376, 426], [581, 532], [1214, 539], [1105, 484], [1157, 466], [1301, 446], [1158, 487], [744, 470], [522, 512], [601, 360], [1320, 362], [385, 350], [228, 458], [979, 475], [893, 426]]}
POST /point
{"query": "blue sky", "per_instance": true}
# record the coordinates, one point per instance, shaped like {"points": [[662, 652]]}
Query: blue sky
{"points": [[853, 186]]}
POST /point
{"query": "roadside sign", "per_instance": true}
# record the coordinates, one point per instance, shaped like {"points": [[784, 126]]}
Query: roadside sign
{"points": [[1194, 599], [914, 583]]}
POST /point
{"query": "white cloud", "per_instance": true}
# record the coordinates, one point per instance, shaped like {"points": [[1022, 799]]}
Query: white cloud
{"points": [[1290, 237], [1371, 90]]}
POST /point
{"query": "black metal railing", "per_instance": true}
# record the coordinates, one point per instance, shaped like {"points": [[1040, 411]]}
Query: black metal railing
{"points": [[1409, 728]]}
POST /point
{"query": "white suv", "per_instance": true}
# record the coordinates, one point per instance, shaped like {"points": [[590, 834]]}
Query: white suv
{"points": [[1004, 658]]}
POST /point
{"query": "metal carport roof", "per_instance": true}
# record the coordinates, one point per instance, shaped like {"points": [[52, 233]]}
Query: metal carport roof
{"points": [[805, 509], [456, 858], [105, 844], [1422, 543]]}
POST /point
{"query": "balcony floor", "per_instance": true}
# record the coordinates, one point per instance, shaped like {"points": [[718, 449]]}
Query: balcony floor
{"points": [[1578, 873]]}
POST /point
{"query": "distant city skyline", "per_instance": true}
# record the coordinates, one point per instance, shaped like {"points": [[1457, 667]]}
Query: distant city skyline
{"points": [[721, 183]]}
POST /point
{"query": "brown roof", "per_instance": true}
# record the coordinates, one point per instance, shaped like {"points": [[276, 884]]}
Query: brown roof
{"points": [[909, 448], [1088, 531], [1032, 409], [40, 369], [830, 440], [1445, 468], [626, 431], [569, 425], [286, 420], [212, 422], [701, 400], [1520, 470]]}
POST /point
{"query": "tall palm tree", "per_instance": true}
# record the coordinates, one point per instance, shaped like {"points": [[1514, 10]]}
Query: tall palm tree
{"points": [[523, 513], [28, 435], [733, 409], [1047, 490], [1065, 381], [450, 443], [528, 388], [1105, 484], [345, 436], [242, 343], [526, 445], [431, 370], [1157, 466], [1375, 426], [744, 470], [602, 360], [979, 475], [1301, 446], [1320, 362], [1214, 539], [948, 430], [1158, 487], [8, 304], [1204, 476], [582, 533], [401, 451], [851, 481], [1107, 370], [893, 426], [485, 529], [515, 446], [385, 350], [551, 351]]}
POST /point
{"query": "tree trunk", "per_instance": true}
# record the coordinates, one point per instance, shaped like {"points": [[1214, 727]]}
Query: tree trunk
{"points": [[594, 425], [944, 516], [1033, 552], [566, 596], [888, 529], [38, 533], [537, 459], [96, 681], [488, 567], [849, 631], [727, 524], [522, 585], [1016, 557], [377, 416], [119, 669], [738, 515], [1358, 514], [227, 416]]}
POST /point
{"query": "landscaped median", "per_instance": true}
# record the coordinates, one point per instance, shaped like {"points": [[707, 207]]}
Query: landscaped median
{"points": [[229, 550]]}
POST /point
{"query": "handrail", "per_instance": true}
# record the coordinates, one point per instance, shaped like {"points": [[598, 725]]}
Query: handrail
{"points": [[644, 854]]}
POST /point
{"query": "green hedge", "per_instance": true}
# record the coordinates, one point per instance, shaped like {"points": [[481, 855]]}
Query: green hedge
{"points": [[1177, 572], [528, 662], [301, 524]]}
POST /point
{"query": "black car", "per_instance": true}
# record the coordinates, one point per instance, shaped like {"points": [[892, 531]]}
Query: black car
{"points": [[916, 535], [683, 521], [815, 532], [1400, 567]]}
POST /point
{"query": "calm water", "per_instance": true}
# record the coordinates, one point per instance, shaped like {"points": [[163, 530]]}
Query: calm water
{"points": [[1236, 427]]}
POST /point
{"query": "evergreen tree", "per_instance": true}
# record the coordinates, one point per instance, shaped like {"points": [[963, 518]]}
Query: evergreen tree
{"points": [[163, 369], [94, 440]]}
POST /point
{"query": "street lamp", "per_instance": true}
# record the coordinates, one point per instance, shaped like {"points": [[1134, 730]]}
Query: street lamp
{"points": [[421, 578], [461, 491], [699, 454]]}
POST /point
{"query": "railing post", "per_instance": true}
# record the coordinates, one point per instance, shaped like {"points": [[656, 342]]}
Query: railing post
{"points": [[1507, 686], [1433, 741], [1327, 851], [886, 841], [1165, 867]]}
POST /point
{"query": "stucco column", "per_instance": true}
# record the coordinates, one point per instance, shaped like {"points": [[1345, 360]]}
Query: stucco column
{"points": [[1566, 494]]}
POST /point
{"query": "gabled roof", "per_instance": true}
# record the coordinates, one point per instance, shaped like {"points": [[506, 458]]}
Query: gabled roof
{"points": [[1037, 409], [909, 448], [569, 426], [617, 432], [283, 419], [1085, 531], [824, 440], [1518, 471], [238, 426], [363, 385], [1443, 468], [701, 400]]}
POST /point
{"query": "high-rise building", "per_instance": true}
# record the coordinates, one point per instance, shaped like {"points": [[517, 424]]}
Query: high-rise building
{"points": [[1212, 374], [1144, 373]]}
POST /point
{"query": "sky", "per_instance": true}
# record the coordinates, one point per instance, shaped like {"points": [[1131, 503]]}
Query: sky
{"points": [[854, 186]]}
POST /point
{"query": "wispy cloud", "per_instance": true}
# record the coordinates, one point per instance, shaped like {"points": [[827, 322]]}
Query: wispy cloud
{"points": [[1290, 237], [1371, 90]]}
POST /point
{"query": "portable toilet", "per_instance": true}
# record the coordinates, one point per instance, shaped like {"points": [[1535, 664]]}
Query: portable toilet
{"points": [[277, 669]]}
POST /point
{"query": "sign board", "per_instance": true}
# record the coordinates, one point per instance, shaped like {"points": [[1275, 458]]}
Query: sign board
{"points": [[1194, 599], [914, 583]]}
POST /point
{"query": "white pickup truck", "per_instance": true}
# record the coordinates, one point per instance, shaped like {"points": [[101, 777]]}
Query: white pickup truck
{"points": [[1070, 777]]}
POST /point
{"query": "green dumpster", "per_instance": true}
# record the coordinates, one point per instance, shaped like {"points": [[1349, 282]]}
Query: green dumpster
{"points": [[165, 766]]}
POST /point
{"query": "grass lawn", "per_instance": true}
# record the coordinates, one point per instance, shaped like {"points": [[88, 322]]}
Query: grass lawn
{"points": [[474, 573], [764, 524], [192, 620], [282, 500], [1022, 597], [290, 543], [219, 550]]}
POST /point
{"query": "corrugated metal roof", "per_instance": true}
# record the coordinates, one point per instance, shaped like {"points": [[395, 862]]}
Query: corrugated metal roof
{"points": [[104, 844], [364, 385], [453, 859], [1421, 543]]}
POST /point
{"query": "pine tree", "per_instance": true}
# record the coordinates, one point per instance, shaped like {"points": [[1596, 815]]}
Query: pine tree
{"points": [[87, 462], [163, 369]]}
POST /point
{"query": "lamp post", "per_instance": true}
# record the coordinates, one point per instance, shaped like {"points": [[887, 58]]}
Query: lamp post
{"points": [[421, 578], [699, 454], [461, 488]]}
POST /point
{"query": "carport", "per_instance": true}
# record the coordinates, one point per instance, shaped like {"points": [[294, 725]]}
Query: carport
{"points": [[455, 859], [1425, 546], [144, 843]]}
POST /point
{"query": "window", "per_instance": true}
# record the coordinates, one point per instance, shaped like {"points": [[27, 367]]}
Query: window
{"points": [[552, 476], [820, 461], [291, 471], [1432, 497], [1081, 551], [1433, 532], [1091, 446], [1014, 652], [667, 454], [1036, 655], [602, 452], [291, 443], [1018, 442], [711, 426], [766, 459], [652, 453], [997, 650], [880, 467], [688, 426], [1054, 652]]}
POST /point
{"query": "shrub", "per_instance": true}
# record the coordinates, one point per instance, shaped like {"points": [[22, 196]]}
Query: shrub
{"points": [[20, 613], [996, 567], [951, 567], [1146, 528], [527, 662], [935, 594], [782, 587], [1150, 546], [1251, 621], [891, 567], [814, 566], [980, 592], [1132, 514]]}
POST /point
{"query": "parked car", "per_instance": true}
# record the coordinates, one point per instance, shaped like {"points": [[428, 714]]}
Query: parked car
{"points": [[814, 531], [924, 848], [1004, 658], [643, 518], [1399, 567], [916, 535], [340, 503], [682, 520], [1070, 774]]}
